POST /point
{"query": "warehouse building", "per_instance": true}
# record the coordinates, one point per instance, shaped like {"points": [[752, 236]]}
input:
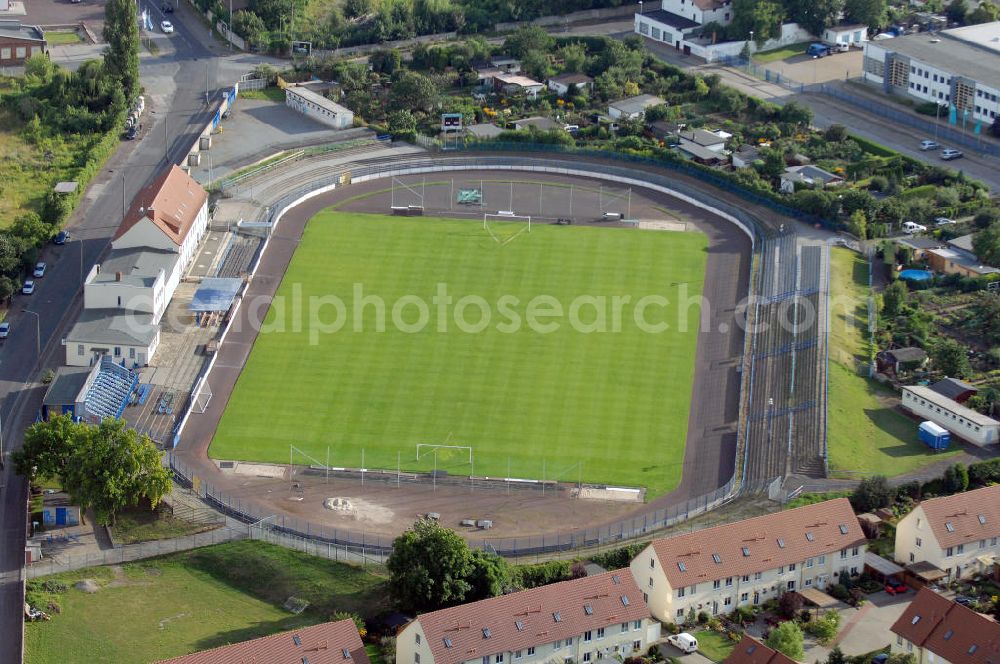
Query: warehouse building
{"points": [[959, 67], [963, 422]]}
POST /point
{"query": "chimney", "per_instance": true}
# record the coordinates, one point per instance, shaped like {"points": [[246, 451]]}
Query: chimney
{"points": [[118, 276]]}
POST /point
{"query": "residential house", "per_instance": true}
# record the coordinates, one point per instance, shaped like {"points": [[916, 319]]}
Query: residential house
{"points": [[666, 27], [506, 64], [956, 534], [589, 619], [704, 146], [632, 108], [538, 122], [745, 156], [949, 260], [701, 11], [125, 296], [963, 422], [962, 242], [955, 389], [20, 42], [918, 245], [937, 630], [666, 131], [749, 562], [808, 176], [853, 34], [751, 651], [318, 107], [901, 360], [327, 643], [561, 84], [511, 84]]}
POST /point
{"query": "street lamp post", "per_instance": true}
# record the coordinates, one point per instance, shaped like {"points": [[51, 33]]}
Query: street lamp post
{"points": [[640, 7], [38, 335]]}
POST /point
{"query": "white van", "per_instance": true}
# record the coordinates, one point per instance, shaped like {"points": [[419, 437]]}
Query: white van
{"points": [[683, 642], [911, 227]]}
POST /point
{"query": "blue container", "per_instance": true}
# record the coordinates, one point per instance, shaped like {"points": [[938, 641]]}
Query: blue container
{"points": [[934, 436], [915, 275]]}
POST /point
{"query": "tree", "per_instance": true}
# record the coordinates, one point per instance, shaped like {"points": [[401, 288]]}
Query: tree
{"points": [[787, 638], [536, 64], [836, 656], [251, 27], [894, 298], [814, 15], [429, 568], [986, 244], [790, 603], [30, 227], [574, 57], [956, 478], [865, 12], [871, 494], [825, 628], [986, 217], [858, 224], [402, 124], [358, 621], [528, 38], [106, 467], [413, 91], [386, 60], [795, 113], [762, 17], [902, 658], [355, 8], [835, 133], [986, 12], [121, 33], [949, 357], [956, 11]]}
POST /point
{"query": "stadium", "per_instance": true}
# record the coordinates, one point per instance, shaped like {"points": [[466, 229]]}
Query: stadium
{"points": [[652, 412]]}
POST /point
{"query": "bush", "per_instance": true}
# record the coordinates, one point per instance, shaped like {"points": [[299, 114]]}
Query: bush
{"points": [[873, 492], [825, 628], [618, 558], [789, 604], [838, 591], [542, 574], [703, 617], [984, 473]]}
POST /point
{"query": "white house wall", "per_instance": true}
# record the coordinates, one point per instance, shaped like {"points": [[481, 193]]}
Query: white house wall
{"points": [[144, 234], [84, 354], [915, 542], [980, 434]]}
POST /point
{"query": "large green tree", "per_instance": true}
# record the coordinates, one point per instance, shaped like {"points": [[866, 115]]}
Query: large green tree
{"points": [[528, 38], [814, 15], [787, 638], [121, 33], [413, 92], [949, 357], [106, 467], [865, 12], [986, 244], [429, 567], [762, 17]]}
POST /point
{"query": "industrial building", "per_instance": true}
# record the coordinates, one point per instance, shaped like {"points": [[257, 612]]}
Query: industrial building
{"points": [[961, 421], [959, 68]]}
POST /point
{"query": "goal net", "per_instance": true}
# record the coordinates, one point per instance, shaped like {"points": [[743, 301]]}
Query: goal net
{"points": [[504, 226]]}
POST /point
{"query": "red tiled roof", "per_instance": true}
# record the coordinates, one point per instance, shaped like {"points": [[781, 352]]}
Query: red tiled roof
{"points": [[973, 515], [171, 201], [319, 644], [759, 544], [949, 630], [752, 651], [532, 617]]}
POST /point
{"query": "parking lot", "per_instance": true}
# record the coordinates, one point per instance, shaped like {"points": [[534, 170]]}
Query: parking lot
{"points": [[64, 12], [808, 70]]}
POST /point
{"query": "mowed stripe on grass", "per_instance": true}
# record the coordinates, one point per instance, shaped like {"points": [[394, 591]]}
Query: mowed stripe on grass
{"points": [[614, 402]]}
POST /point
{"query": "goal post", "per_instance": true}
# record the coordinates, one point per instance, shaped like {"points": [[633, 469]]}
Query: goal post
{"points": [[505, 225], [423, 449]]}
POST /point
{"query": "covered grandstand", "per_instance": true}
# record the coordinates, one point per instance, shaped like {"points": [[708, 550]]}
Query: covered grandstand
{"points": [[214, 297], [90, 394]]}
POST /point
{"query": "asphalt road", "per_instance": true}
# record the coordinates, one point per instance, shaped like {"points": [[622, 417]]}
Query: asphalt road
{"points": [[175, 82]]}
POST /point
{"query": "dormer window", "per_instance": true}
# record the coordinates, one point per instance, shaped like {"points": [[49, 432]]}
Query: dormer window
{"points": [[915, 620], [949, 526], [746, 552], [625, 600], [486, 633], [982, 519], [447, 642], [717, 558], [781, 543], [810, 537], [588, 609], [346, 653], [557, 617], [519, 625], [843, 529], [681, 567]]}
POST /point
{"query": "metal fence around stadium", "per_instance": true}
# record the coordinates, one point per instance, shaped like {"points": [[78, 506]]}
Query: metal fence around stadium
{"points": [[639, 527]]}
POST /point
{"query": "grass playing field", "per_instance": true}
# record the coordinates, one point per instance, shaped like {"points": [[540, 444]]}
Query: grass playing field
{"points": [[606, 406]]}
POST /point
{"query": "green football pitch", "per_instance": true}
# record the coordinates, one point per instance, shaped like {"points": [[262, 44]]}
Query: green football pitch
{"points": [[388, 333]]}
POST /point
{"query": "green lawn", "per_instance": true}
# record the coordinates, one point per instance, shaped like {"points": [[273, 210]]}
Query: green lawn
{"points": [[714, 645], [781, 53], [543, 401], [273, 94], [140, 524], [863, 435], [62, 38], [191, 601]]}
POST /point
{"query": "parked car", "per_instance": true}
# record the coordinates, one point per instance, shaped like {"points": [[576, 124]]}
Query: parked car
{"points": [[39, 270], [683, 642], [965, 601], [61, 238], [840, 47], [4, 330], [131, 132], [951, 153], [943, 221], [818, 50], [912, 227], [894, 587], [28, 288], [167, 27], [929, 145]]}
